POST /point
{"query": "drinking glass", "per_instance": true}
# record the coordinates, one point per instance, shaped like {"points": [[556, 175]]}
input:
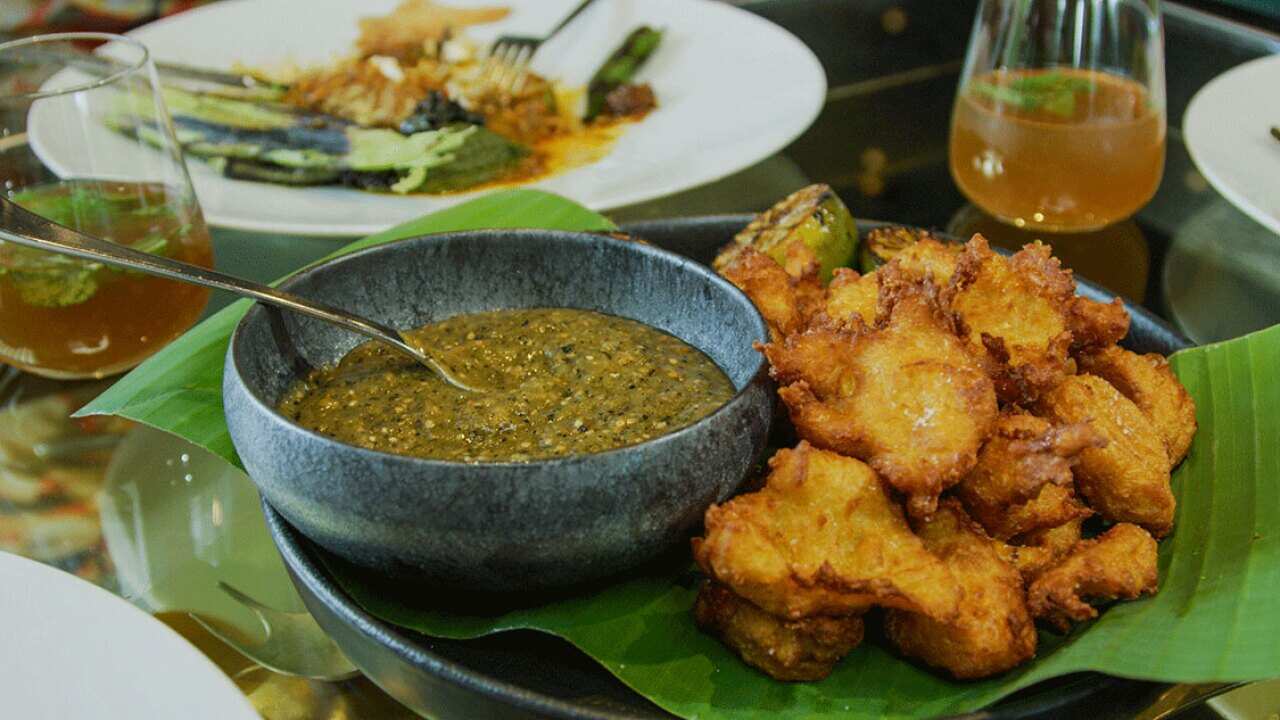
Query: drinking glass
{"points": [[90, 145], [1059, 121]]}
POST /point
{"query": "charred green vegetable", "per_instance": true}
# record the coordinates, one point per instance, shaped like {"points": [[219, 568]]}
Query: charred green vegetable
{"points": [[621, 67], [270, 143]]}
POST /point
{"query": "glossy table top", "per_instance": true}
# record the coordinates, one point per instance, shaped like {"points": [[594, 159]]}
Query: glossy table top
{"points": [[161, 523]]}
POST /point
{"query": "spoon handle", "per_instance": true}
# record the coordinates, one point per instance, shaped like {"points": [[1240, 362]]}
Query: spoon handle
{"points": [[22, 227]]}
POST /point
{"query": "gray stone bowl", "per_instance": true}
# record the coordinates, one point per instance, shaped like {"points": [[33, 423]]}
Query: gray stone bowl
{"points": [[498, 527]]}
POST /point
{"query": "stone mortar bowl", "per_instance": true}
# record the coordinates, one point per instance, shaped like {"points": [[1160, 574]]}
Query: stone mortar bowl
{"points": [[498, 527]]}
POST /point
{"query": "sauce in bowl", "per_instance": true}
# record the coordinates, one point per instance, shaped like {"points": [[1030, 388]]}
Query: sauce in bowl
{"points": [[556, 381]]}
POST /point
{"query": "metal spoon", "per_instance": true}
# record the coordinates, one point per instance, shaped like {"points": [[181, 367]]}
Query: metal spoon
{"points": [[22, 227]]}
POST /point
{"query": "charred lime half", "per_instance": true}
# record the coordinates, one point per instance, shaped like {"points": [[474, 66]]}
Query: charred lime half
{"points": [[811, 225]]}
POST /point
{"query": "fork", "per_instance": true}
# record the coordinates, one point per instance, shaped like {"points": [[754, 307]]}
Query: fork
{"points": [[507, 64]]}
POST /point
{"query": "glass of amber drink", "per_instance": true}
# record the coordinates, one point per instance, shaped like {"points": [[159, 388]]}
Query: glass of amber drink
{"points": [[65, 154], [1059, 121]]}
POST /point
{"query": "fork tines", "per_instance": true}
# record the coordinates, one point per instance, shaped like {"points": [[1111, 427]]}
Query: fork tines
{"points": [[507, 64]]}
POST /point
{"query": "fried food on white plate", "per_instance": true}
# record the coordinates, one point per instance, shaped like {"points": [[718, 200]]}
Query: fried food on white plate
{"points": [[1022, 481], [1149, 382], [794, 650], [823, 538], [1127, 480], [994, 630], [1015, 311], [785, 302], [905, 397], [1119, 564]]}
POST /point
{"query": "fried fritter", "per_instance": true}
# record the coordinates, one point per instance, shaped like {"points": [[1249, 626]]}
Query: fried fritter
{"points": [[1120, 563], [929, 259], [1148, 381], [1015, 310], [1023, 480], [905, 397], [785, 302], [851, 296], [823, 538], [1037, 551], [1128, 479], [1095, 325], [994, 630], [795, 650]]}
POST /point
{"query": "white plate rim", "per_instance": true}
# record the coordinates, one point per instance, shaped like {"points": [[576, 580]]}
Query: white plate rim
{"points": [[814, 84], [231, 703], [1199, 114]]}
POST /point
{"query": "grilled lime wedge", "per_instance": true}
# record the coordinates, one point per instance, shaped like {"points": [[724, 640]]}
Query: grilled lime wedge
{"points": [[810, 225]]}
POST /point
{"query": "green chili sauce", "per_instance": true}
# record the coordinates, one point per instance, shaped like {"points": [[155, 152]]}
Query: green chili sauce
{"points": [[556, 382]]}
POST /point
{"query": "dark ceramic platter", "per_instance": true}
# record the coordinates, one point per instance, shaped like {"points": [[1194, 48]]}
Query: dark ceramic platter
{"points": [[524, 674]]}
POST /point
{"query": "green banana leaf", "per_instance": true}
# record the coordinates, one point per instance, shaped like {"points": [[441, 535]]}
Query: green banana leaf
{"points": [[179, 389], [1215, 618]]}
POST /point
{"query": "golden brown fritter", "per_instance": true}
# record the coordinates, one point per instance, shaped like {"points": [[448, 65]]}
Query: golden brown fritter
{"points": [[906, 397], [1128, 479], [851, 296], [1149, 382], [794, 650], [929, 259], [1095, 325], [822, 538], [994, 630], [785, 302], [1120, 563], [1015, 310], [1037, 551], [1023, 480]]}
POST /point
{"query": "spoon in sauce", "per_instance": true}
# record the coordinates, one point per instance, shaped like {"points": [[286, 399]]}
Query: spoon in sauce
{"points": [[22, 227]]}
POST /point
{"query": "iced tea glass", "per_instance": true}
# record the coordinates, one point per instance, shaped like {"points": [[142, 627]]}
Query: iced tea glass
{"points": [[1059, 121], [90, 145]]}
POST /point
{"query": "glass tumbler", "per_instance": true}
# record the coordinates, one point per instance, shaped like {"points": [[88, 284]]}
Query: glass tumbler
{"points": [[1059, 120], [85, 141]]}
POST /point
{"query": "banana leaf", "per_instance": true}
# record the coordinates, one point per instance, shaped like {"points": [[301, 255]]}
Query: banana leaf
{"points": [[179, 389], [1214, 619]]}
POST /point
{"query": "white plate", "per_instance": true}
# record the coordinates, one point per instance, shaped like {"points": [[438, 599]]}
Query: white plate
{"points": [[732, 89], [74, 650], [1227, 131]]}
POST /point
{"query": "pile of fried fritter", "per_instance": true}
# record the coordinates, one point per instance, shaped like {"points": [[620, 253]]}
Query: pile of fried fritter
{"points": [[962, 415]]}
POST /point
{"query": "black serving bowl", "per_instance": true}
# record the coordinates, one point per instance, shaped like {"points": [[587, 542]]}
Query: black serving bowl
{"points": [[517, 675], [498, 527]]}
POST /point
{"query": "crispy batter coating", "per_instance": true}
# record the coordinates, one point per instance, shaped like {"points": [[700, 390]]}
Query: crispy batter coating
{"points": [[1095, 325], [930, 259], [1023, 480], [1015, 310], [852, 299], [852, 295], [794, 650], [1148, 381], [1120, 563], [906, 397], [785, 302], [1037, 551], [823, 538], [994, 630], [1128, 479]]}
